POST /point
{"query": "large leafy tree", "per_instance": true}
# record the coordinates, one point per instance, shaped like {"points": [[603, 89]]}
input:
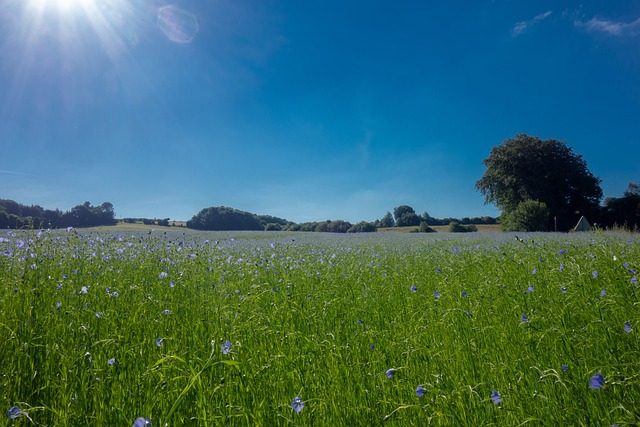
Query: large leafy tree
{"points": [[528, 168]]}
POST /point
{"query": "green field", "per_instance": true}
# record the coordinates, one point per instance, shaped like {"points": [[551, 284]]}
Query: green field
{"points": [[101, 328]]}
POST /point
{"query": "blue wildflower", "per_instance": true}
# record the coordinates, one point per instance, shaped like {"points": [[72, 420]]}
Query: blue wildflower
{"points": [[634, 280], [464, 294], [297, 404], [84, 290], [14, 412], [563, 290], [535, 270], [495, 396], [561, 267], [596, 381], [420, 391], [414, 288], [142, 422], [166, 312], [627, 327], [564, 368], [390, 373], [524, 318], [159, 342], [226, 347], [530, 289], [58, 305], [561, 252], [111, 361], [603, 292], [594, 274], [436, 294], [360, 321]]}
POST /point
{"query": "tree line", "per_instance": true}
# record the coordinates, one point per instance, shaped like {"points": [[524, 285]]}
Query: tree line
{"points": [[538, 185], [16, 215], [542, 185]]}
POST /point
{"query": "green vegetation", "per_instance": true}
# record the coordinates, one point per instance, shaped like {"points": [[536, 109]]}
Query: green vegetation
{"points": [[193, 328]]}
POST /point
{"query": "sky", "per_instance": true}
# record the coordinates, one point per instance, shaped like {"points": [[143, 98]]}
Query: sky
{"points": [[306, 110]]}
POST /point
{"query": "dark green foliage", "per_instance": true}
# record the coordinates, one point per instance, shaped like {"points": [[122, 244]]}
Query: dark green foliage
{"points": [[528, 168], [222, 218], [623, 211], [386, 221], [529, 215], [456, 227], [362, 227], [424, 228], [85, 215], [272, 227]]}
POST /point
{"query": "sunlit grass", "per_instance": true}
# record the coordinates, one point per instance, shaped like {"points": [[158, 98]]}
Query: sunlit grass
{"points": [[102, 328]]}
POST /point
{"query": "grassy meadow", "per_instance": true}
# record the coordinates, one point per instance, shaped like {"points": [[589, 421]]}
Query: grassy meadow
{"points": [[119, 328]]}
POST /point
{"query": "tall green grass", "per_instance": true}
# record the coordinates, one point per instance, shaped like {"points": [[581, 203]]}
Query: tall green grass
{"points": [[323, 318]]}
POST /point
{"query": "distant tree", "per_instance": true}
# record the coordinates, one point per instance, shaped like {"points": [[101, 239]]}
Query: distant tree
{"points": [[272, 226], [398, 211], [362, 227], [424, 228], [405, 216], [224, 218], [4, 219], [339, 226], [623, 211], [528, 168], [529, 215], [456, 227], [387, 221]]}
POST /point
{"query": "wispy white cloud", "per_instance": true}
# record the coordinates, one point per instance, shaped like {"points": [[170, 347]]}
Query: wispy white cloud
{"points": [[523, 26], [613, 28], [15, 173]]}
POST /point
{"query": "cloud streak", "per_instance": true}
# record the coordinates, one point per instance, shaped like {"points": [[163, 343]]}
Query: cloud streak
{"points": [[612, 28], [523, 26], [16, 173]]}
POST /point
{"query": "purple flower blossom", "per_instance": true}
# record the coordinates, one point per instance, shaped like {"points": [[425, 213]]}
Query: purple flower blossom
{"points": [[564, 368], [159, 342], [436, 294], [561, 267], [535, 270], [495, 396], [420, 391], [390, 373], [563, 290], [69, 229], [142, 422], [561, 252], [464, 294], [166, 312], [524, 318], [162, 275], [84, 290], [634, 280], [596, 381], [603, 292], [594, 274], [530, 289], [627, 327], [360, 321], [14, 412], [226, 347], [414, 288], [111, 361], [58, 305], [297, 404]]}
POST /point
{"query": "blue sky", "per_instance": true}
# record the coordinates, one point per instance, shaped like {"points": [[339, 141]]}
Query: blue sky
{"points": [[305, 110]]}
